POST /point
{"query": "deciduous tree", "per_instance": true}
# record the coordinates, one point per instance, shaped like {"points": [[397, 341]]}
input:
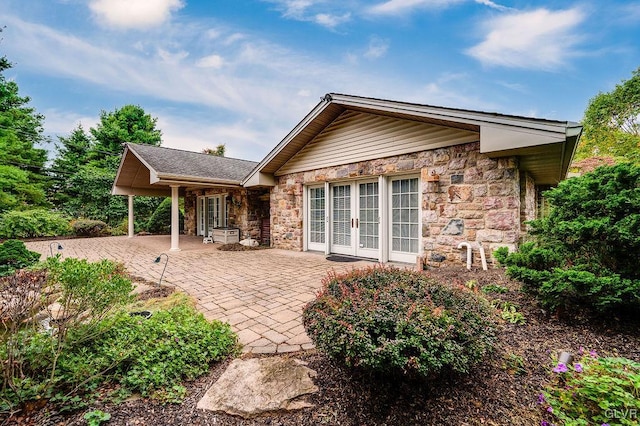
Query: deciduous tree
{"points": [[612, 123]]}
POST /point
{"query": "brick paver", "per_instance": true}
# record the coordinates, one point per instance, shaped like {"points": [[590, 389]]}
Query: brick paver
{"points": [[260, 293]]}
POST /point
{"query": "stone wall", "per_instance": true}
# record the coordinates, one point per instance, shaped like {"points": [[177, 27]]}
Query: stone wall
{"points": [[245, 209], [286, 212], [476, 199], [528, 201]]}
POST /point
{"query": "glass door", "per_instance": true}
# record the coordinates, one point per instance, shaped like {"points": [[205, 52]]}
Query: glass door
{"points": [[368, 220], [316, 219], [202, 228], [341, 220]]}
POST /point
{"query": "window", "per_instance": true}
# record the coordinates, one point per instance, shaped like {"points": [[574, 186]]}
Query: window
{"points": [[316, 215], [405, 212]]}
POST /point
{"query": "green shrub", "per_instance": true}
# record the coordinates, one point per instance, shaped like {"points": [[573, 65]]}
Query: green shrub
{"points": [[151, 356], [96, 417], [14, 255], [86, 293], [399, 321], [160, 220], [89, 228], [585, 253], [88, 288], [494, 288], [96, 341], [33, 223], [594, 391]]}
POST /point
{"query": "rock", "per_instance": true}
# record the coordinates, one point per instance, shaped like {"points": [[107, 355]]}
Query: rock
{"points": [[457, 179], [501, 220], [437, 257], [249, 242], [460, 193], [454, 227], [255, 386]]}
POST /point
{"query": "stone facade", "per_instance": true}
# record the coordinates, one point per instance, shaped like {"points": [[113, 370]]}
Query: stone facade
{"points": [[246, 208], [286, 212], [528, 199], [477, 199]]}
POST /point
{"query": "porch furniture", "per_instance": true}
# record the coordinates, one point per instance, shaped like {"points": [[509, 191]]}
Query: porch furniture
{"points": [[209, 238], [226, 235]]}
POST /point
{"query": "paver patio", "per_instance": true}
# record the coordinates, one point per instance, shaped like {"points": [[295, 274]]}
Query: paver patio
{"points": [[260, 293]]}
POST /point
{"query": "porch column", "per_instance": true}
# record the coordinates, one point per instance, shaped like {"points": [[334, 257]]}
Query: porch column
{"points": [[130, 222], [175, 219]]}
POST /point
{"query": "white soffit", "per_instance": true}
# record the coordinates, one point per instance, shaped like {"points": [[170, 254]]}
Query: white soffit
{"points": [[493, 139]]}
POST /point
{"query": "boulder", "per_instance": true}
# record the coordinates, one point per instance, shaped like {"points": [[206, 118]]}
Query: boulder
{"points": [[251, 387], [249, 242]]}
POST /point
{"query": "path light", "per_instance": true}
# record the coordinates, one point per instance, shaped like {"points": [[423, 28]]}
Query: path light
{"points": [[165, 265], [51, 247]]}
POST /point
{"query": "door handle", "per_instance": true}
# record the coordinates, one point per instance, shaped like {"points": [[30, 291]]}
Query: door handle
{"points": [[357, 222], [352, 222]]}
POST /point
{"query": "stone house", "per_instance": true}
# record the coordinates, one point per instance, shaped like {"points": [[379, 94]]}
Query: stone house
{"points": [[371, 178]]}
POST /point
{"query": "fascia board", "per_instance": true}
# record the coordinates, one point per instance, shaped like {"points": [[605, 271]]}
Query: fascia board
{"points": [[290, 136]]}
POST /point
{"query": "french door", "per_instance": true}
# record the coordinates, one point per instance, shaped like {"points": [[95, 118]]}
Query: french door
{"points": [[355, 219], [211, 213], [377, 219]]}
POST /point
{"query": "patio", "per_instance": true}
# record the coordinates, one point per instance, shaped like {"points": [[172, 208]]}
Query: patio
{"points": [[260, 293]]}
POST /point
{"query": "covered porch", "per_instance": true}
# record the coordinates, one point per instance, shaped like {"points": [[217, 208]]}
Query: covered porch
{"points": [[162, 172]]}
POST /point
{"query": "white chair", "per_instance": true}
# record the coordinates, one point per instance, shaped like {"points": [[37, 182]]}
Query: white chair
{"points": [[209, 238]]}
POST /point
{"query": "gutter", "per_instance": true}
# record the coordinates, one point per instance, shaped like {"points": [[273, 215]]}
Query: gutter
{"points": [[194, 180]]}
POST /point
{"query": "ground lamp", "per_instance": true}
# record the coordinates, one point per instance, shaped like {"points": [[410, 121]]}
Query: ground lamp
{"points": [[51, 247], [165, 265]]}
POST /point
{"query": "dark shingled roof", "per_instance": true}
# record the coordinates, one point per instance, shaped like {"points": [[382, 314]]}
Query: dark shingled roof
{"points": [[192, 164]]}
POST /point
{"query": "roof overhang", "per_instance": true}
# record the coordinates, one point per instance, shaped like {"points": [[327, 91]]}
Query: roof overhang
{"points": [[545, 147], [136, 177]]}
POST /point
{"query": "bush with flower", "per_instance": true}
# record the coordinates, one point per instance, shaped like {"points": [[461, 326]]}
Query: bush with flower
{"points": [[603, 391]]}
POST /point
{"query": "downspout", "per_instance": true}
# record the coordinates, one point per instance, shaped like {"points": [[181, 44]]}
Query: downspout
{"points": [[468, 246], [483, 258]]}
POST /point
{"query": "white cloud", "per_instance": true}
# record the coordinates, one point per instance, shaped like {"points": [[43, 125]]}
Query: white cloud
{"points": [[331, 21], [492, 4], [233, 38], [172, 57], [294, 9], [398, 7], [377, 48], [211, 61], [137, 14], [326, 13], [539, 39]]}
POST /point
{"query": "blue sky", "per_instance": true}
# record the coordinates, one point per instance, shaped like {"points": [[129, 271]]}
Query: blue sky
{"points": [[245, 72]]}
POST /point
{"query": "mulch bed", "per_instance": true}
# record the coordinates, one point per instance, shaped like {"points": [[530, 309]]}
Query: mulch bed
{"points": [[498, 392]]}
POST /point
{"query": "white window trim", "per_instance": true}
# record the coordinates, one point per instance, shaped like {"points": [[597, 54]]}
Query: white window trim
{"points": [[397, 256]]}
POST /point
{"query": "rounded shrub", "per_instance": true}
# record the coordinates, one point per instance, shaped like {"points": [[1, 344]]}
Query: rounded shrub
{"points": [[160, 220], [14, 255], [399, 321], [90, 228]]}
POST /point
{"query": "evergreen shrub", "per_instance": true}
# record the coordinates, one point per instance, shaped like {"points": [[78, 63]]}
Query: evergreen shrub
{"points": [[587, 251]]}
